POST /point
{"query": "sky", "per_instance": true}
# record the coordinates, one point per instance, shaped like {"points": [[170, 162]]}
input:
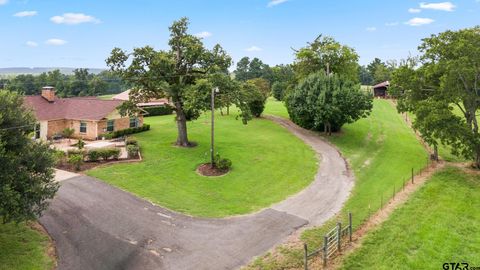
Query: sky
{"points": [[54, 33]]}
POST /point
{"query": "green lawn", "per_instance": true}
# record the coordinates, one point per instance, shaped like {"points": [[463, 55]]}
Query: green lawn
{"points": [[275, 107], [439, 224], [269, 163], [23, 248], [106, 96], [381, 150]]}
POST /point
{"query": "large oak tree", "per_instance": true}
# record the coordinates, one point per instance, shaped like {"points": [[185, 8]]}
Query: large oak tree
{"points": [[171, 73]]}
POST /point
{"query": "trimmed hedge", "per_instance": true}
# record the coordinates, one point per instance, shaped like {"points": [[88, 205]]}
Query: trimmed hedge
{"points": [[160, 110], [133, 150], [103, 153], [127, 131]]}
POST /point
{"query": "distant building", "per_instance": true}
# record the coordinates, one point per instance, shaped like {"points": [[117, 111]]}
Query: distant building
{"points": [[151, 103], [380, 90], [90, 117]]}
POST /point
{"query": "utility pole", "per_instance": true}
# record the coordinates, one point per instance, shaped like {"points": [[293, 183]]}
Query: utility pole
{"points": [[212, 148]]}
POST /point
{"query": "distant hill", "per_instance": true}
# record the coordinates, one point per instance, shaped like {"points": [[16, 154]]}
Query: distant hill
{"points": [[38, 70]]}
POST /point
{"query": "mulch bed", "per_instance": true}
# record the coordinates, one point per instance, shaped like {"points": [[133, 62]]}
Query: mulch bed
{"points": [[90, 165], [207, 170]]}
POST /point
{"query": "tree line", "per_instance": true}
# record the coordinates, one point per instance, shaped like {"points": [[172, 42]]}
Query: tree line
{"points": [[80, 83]]}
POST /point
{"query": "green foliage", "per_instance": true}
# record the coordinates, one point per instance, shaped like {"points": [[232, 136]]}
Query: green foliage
{"points": [[76, 161], [60, 157], [278, 90], [326, 54], [255, 98], [131, 141], [133, 150], [248, 70], [80, 144], [107, 153], [26, 174], [222, 163], [443, 92], [326, 103], [71, 152], [127, 131], [93, 155], [159, 110], [68, 132]]}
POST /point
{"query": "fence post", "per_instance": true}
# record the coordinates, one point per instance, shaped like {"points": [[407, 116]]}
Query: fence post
{"points": [[393, 197], [350, 225], [381, 201], [339, 236], [325, 250], [412, 176], [305, 256]]}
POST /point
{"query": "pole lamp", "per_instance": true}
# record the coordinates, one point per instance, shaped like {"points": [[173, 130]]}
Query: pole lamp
{"points": [[215, 90]]}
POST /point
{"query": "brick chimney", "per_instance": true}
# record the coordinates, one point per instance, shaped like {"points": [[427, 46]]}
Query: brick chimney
{"points": [[48, 93]]}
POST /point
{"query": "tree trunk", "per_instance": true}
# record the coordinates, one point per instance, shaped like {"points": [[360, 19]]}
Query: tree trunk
{"points": [[435, 152], [182, 138], [477, 159]]}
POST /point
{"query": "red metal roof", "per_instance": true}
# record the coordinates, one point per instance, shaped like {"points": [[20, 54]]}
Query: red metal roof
{"points": [[382, 84], [78, 108]]}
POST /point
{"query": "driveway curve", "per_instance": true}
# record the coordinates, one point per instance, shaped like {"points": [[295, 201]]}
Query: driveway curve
{"points": [[97, 226]]}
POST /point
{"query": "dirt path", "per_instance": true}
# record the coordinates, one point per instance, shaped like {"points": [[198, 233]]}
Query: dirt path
{"points": [[324, 197]]}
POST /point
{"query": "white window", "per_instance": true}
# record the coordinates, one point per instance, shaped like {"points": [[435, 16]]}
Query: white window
{"points": [[133, 122], [83, 127], [110, 125]]}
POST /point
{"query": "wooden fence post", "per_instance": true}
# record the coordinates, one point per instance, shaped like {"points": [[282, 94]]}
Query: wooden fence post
{"points": [[305, 256], [325, 250], [412, 176], [339, 236], [350, 224]]}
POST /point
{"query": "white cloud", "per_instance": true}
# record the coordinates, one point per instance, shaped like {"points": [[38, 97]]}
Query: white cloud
{"points": [[203, 34], [419, 21], [275, 2], [25, 14], [391, 23], [31, 44], [445, 6], [56, 42], [253, 49], [414, 10], [371, 29], [74, 18], [3, 2]]}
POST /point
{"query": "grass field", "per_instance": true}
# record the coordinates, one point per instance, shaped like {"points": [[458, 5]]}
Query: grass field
{"points": [[381, 150], [269, 163], [275, 107], [23, 248], [439, 224], [106, 96]]}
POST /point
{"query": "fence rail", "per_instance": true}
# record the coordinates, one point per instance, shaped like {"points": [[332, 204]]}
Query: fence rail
{"points": [[332, 242]]}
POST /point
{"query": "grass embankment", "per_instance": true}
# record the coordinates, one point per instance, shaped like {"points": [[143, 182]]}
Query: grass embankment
{"points": [[381, 150], [23, 248], [439, 224], [269, 163]]}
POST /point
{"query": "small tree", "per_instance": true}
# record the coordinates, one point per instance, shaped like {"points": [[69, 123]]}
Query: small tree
{"points": [[278, 90], [326, 103], [256, 99], [26, 166]]}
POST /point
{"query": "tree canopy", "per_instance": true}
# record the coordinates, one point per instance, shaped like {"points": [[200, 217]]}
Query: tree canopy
{"points": [[26, 173], [444, 92], [327, 55], [327, 102]]}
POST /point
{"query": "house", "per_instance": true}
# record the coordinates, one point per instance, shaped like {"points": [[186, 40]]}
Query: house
{"points": [[90, 117], [124, 96], [380, 90]]}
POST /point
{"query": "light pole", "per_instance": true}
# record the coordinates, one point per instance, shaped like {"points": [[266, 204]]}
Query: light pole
{"points": [[212, 104]]}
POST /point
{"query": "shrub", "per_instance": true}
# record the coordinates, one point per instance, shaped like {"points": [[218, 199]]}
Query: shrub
{"points": [[108, 152], [80, 144], [72, 152], [131, 142], [68, 132], [60, 157], [115, 153], [133, 150], [222, 163], [160, 110], [127, 131], [93, 155], [76, 161]]}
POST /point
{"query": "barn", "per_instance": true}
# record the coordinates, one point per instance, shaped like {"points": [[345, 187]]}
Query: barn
{"points": [[380, 90]]}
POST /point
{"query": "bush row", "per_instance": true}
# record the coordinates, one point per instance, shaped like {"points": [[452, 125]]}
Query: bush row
{"points": [[127, 131], [103, 153], [160, 110]]}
